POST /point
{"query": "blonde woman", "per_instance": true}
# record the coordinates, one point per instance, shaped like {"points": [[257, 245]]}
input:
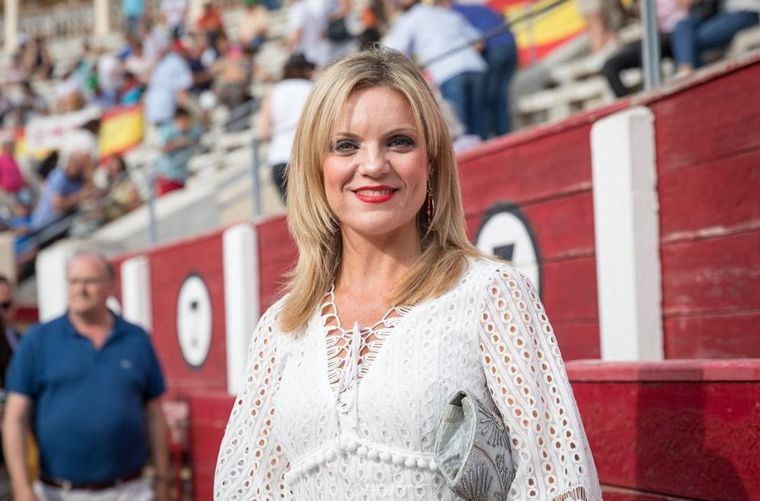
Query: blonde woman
{"points": [[389, 310]]}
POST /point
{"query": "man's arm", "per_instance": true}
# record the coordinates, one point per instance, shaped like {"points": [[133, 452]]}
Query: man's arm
{"points": [[157, 434], [65, 203], [16, 431]]}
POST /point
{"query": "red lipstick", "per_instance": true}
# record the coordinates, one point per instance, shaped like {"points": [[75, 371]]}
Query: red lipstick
{"points": [[375, 194]]}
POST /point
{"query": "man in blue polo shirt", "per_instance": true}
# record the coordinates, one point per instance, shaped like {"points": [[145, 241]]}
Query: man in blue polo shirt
{"points": [[87, 384]]}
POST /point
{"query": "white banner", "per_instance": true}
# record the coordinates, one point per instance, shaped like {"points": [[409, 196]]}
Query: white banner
{"points": [[48, 133]]}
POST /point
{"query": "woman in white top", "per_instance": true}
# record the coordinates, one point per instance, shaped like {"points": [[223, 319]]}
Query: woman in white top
{"points": [[279, 114], [389, 310]]}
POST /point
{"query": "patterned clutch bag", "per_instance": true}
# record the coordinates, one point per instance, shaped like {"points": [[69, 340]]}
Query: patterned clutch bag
{"points": [[472, 450]]}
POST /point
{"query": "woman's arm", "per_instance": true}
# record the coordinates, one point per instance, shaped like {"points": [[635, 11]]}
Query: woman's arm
{"points": [[527, 380], [251, 426]]}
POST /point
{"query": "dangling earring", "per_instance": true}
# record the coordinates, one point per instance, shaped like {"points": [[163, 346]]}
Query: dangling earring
{"points": [[429, 205]]}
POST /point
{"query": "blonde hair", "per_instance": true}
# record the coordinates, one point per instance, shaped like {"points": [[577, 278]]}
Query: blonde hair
{"points": [[313, 225]]}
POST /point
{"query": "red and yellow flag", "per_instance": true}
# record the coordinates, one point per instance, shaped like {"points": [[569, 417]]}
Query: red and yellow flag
{"points": [[540, 35]]}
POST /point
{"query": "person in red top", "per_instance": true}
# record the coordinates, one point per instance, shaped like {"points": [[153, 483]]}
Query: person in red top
{"points": [[210, 22], [11, 180]]}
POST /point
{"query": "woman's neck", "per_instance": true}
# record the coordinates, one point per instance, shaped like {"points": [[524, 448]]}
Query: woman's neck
{"points": [[377, 263]]}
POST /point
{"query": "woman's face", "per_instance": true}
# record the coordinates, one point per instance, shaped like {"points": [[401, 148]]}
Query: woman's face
{"points": [[376, 171]]}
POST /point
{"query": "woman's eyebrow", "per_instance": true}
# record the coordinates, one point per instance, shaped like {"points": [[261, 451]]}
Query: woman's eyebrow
{"points": [[399, 130], [346, 134], [404, 130]]}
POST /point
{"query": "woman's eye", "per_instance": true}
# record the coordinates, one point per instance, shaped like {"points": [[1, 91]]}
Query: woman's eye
{"points": [[401, 142], [344, 146]]}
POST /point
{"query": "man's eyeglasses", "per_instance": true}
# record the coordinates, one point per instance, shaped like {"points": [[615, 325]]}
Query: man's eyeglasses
{"points": [[87, 281]]}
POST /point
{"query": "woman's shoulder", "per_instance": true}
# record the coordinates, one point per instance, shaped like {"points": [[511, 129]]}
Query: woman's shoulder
{"points": [[484, 273], [270, 320], [486, 268]]}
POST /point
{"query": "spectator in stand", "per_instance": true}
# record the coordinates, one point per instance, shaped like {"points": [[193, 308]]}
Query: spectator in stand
{"points": [[131, 90], [429, 33], [116, 196], [30, 104], [598, 15], [168, 86], [252, 31], [69, 184], [373, 19], [698, 33], [68, 92], [210, 21], [137, 62], [20, 222], [11, 179], [500, 53], [133, 11], [17, 196], [178, 140], [333, 15], [202, 77], [122, 196], [209, 53], [37, 62], [668, 13], [110, 75], [232, 75], [86, 72], [305, 33], [6, 106], [15, 71], [156, 39], [280, 113], [174, 12]]}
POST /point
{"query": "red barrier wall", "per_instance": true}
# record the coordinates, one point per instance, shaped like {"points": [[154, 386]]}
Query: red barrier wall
{"points": [[547, 173], [689, 429], [708, 163]]}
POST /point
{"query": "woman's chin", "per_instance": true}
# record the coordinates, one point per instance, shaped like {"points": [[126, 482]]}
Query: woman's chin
{"points": [[379, 225]]}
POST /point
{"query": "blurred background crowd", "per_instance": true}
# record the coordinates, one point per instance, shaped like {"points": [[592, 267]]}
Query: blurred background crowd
{"points": [[94, 126]]}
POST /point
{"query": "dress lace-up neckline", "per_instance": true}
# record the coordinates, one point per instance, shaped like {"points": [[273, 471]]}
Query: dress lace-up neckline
{"points": [[338, 339]]}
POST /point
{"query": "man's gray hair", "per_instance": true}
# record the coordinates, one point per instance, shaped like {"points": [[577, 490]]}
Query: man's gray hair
{"points": [[79, 141], [110, 270]]}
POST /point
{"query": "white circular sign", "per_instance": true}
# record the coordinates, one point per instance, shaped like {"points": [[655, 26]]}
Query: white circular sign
{"points": [[194, 321], [506, 234]]}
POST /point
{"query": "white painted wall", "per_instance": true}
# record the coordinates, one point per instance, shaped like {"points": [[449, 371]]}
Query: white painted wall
{"points": [[51, 278], [241, 298], [135, 292], [626, 225]]}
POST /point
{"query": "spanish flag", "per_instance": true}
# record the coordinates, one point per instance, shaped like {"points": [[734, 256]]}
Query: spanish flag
{"points": [[539, 35]]}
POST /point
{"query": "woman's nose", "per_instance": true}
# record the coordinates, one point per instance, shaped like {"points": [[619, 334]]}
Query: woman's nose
{"points": [[373, 162]]}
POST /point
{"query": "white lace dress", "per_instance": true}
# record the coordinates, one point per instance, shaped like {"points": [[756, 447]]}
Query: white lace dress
{"points": [[351, 414]]}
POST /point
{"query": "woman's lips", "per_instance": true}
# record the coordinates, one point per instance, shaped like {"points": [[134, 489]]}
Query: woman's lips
{"points": [[375, 194]]}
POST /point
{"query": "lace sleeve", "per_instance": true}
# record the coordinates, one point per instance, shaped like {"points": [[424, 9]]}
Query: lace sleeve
{"points": [[527, 380], [251, 464]]}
